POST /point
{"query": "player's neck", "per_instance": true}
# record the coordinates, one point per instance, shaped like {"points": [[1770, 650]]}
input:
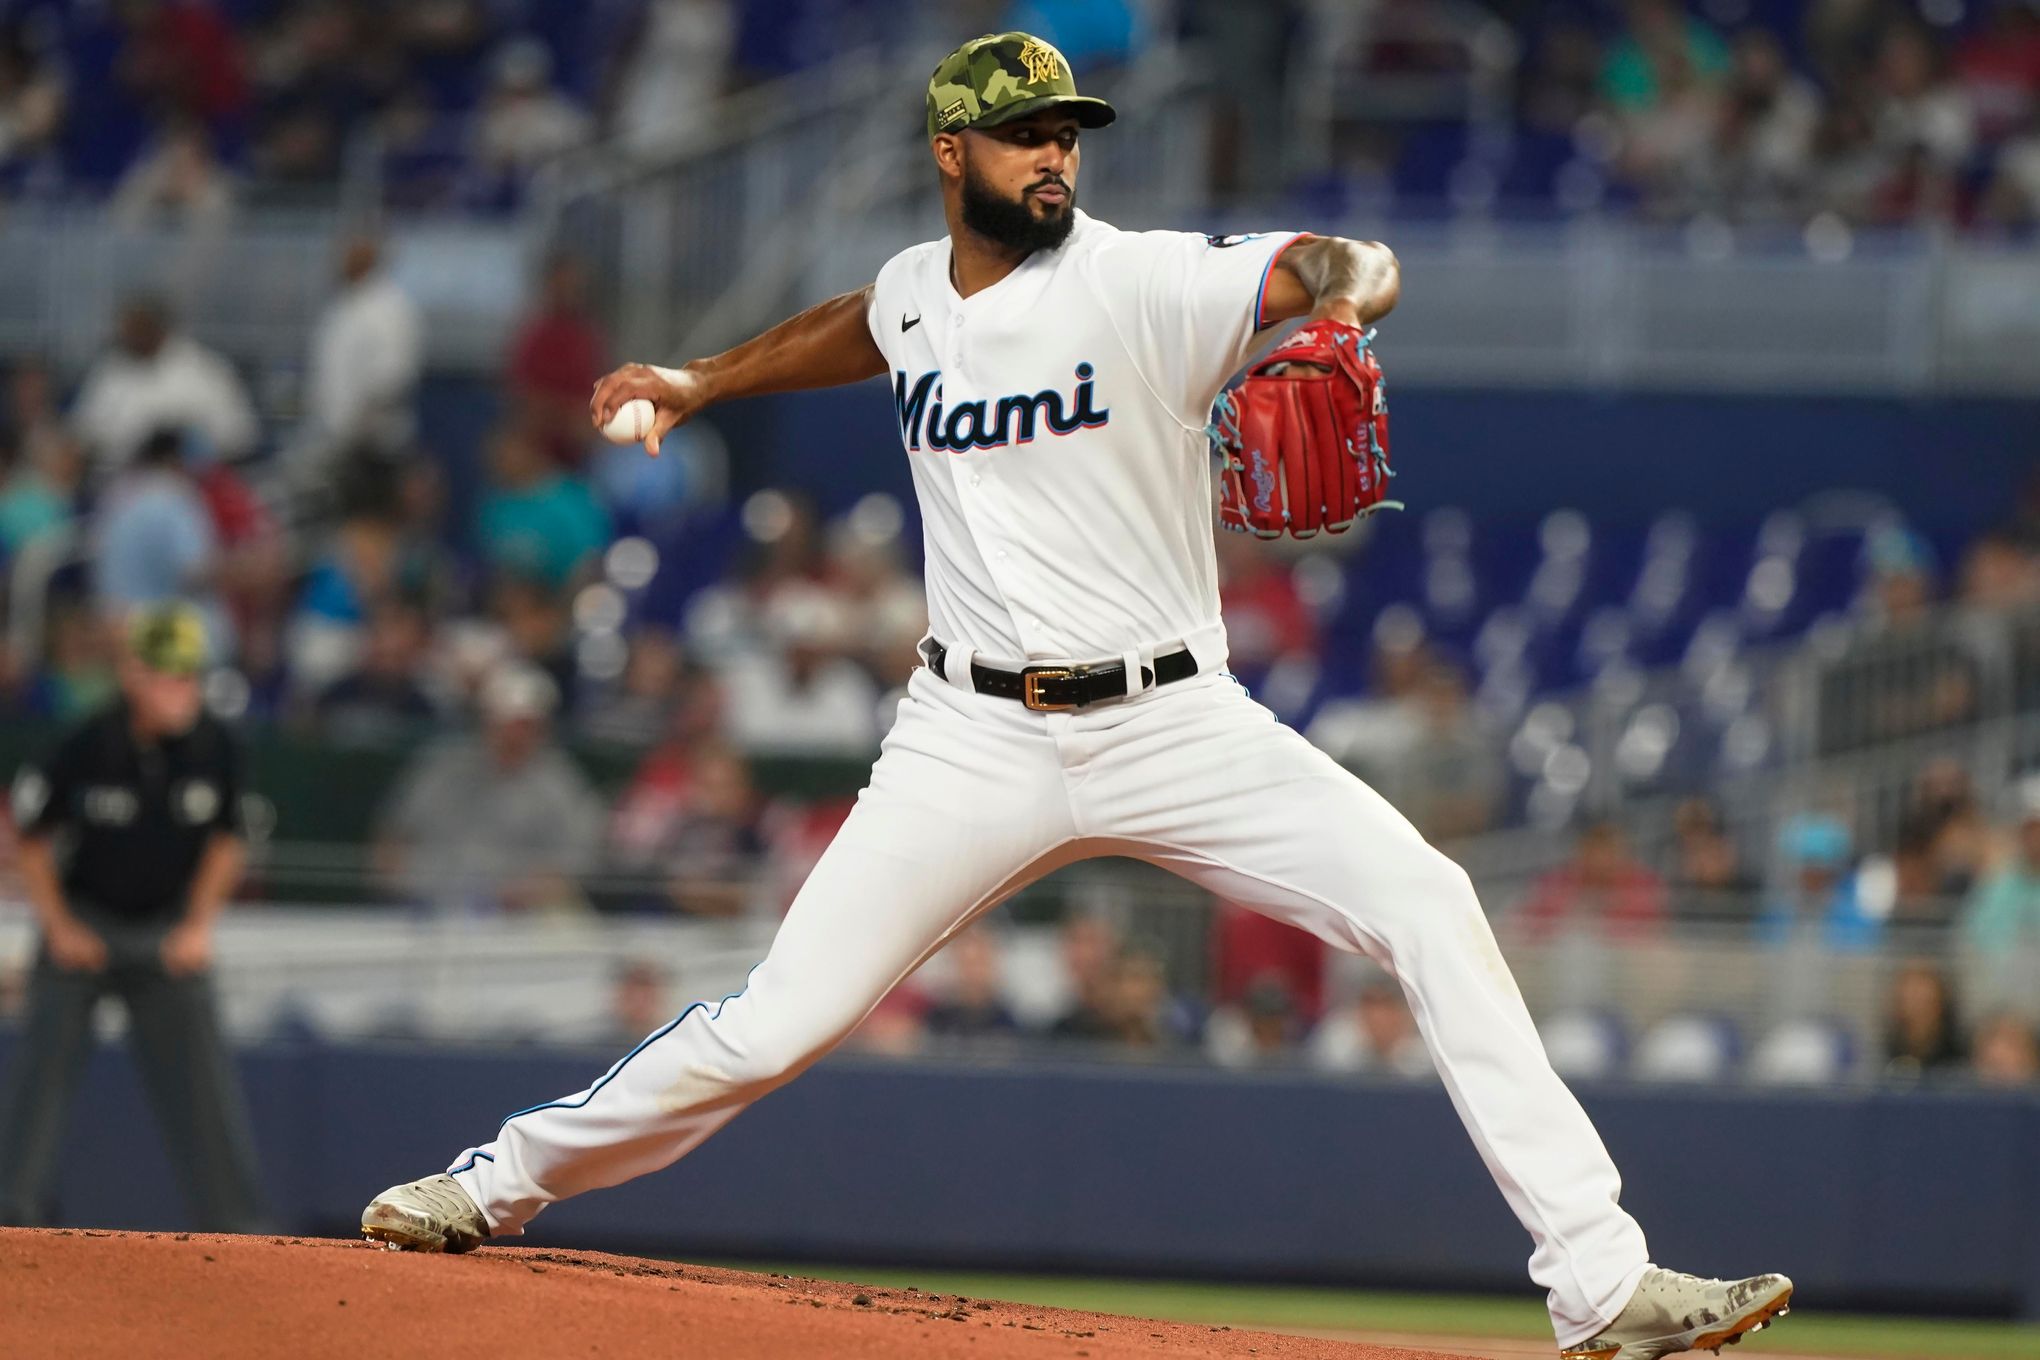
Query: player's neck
{"points": [[976, 263]]}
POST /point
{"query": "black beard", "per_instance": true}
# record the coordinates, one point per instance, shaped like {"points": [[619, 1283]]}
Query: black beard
{"points": [[1012, 224]]}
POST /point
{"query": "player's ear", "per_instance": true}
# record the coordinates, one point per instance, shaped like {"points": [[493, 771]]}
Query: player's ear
{"points": [[947, 148]]}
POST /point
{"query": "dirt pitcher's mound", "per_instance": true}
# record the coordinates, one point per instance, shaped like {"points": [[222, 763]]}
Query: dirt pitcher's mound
{"points": [[181, 1296]]}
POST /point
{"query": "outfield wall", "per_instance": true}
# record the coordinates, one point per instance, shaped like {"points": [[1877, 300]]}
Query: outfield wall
{"points": [[1894, 1199]]}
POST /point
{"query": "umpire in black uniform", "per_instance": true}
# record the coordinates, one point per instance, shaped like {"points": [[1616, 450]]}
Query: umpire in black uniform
{"points": [[130, 846]]}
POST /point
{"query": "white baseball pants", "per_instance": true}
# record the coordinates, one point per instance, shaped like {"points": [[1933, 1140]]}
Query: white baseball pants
{"points": [[975, 796]]}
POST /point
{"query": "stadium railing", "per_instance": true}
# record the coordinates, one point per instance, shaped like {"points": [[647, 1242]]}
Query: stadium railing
{"points": [[1692, 1000]]}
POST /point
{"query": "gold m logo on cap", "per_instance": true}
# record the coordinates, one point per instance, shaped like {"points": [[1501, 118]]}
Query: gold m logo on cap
{"points": [[1043, 63]]}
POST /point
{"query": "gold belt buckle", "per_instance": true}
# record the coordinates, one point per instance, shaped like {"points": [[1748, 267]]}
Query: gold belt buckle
{"points": [[1030, 695]]}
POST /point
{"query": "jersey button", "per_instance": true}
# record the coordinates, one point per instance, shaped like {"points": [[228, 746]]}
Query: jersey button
{"points": [[976, 478]]}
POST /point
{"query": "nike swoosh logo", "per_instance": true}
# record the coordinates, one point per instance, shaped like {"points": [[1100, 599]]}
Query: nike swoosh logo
{"points": [[906, 325]]}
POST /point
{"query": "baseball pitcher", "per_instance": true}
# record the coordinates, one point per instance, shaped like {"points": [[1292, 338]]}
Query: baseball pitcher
{"points": [[1054, 381]]}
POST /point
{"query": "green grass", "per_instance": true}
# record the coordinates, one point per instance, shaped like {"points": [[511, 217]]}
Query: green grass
{"points": [[1807, 1332]]}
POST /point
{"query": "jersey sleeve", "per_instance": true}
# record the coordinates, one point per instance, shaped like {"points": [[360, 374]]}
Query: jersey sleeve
{"points": [[45, 793], [871, 312], [1189, 307], [886, 291]]}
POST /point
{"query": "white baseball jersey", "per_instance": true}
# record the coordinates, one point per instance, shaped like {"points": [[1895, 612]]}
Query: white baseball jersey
{"points": [[1055, 425], [1055, 422]]}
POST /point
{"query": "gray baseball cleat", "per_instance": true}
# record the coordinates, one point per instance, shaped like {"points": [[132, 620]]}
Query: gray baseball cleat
{"points": [[1670, 1313], [434, 1214]]}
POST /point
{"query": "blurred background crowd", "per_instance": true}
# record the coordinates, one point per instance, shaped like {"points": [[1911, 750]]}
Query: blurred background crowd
{"points": [[494, 670], [1873, 111]]}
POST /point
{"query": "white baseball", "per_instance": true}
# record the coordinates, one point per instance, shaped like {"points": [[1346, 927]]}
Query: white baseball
{"points": [[631, 423]]}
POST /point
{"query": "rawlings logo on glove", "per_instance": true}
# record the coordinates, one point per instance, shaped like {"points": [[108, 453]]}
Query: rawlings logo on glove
{"points": [[1303, 441]]}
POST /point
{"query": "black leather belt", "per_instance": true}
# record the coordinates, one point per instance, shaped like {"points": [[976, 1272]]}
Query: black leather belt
{"points": [[1054, 689]]}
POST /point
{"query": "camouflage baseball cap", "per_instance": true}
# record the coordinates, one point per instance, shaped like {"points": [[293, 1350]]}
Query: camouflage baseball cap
{"points": [[1003, 76], [169, 638]]}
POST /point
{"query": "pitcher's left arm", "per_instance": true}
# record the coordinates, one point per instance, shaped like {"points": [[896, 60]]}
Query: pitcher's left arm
{"points": [[1356, 282]]}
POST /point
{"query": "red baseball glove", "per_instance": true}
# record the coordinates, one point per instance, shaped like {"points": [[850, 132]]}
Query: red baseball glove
{"points": [[1303, 440]]}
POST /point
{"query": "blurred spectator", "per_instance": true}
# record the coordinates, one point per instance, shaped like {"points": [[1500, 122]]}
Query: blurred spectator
{"points": [[1375, 1033], [638, 1003], [381, 549], [671, 64], [1997, 65], [557, 356], [1943, 802], [973, 1007], [1758, 160], [725, 620], [525, 121], [1249, 948], [2011, 197], [1450, 781], [46, 441], [1662, 43], [809, 697], [1090, 957], [537, 520], [713, 851], [2003, 914], [2006, 1052], [1266, 621], [1376, 730], [1899, 676], [888, 611], [633, 711], [153, 537], [33, 504], [1924, 127], [1260, 1028], [185, 57], [658, 793], [384, 697], [538, 627], [1899, 575], [156, 379], [76, 676], [1603, 889], [368, 352], [179, 182], [1137, 1011], [502, 821], [1708, 877], [1662, 78], [1921, 1032], [2000, 574], [895, 1027], [253, 569], [1903, 891], [295, 158], [32, 97], [1819, 897]]}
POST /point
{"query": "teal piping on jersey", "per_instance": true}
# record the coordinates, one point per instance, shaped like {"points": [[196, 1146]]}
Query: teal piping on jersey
{"points": [[1261, 293], [610, 1075]]}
